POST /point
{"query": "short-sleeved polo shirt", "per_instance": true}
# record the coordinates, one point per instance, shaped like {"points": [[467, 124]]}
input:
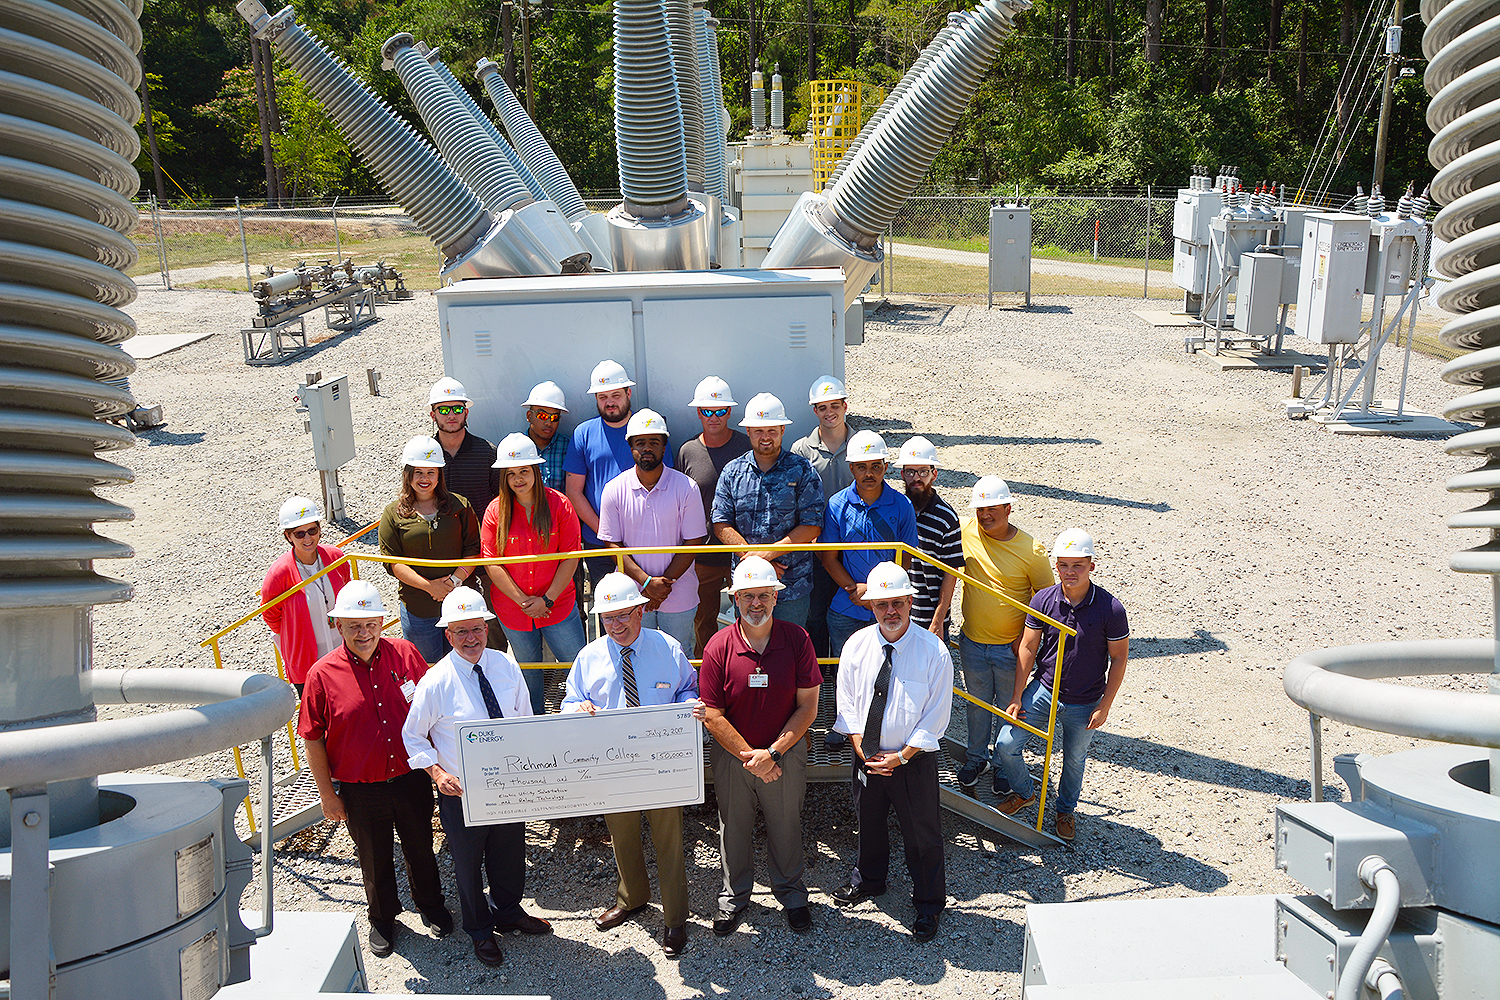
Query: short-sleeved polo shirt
{"points": [[758, 714], [891, 518], [357, 709], [1100, 619]]}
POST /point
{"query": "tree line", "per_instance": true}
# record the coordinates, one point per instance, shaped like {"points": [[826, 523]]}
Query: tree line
{"points": [[1105, 93]]}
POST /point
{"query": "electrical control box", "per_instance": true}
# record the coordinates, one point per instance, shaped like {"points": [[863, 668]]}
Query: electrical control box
{"points": [[1392, 246], [1330, 294], [330, 422], [1192, 214], [1258, 296], [1010, 251]]}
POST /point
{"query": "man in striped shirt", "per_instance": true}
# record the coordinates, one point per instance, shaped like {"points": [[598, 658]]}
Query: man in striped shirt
{"points": [[939, 535]]}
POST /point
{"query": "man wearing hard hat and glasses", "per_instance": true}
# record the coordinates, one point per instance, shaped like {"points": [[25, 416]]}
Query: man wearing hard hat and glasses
{"points": [[626, 667], [544, 409], [471, 684], [353, 708]]}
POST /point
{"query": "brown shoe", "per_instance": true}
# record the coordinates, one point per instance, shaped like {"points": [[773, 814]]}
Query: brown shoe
{"points": [[616, 915], [674, 940], [1014, 803], [526, 924], [1066, 830]]}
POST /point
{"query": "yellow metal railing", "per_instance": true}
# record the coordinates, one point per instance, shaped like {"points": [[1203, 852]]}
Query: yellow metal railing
{"points": [[618, 554], [837, 110]]}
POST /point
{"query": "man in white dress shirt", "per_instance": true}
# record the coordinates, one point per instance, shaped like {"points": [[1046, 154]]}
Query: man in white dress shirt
{"points": [[895, 693], [626, 667], [472, 683]]}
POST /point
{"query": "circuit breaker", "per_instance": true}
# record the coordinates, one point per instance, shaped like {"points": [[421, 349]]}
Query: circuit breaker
{"points": [[330, 422], [1330, 294]]}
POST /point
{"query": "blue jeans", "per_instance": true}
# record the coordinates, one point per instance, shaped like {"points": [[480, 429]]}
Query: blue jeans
{"points": [[989, 675], [431, 641], [840, 628], [792, 611], [564, 637], [677, 624], [1072, 727]]}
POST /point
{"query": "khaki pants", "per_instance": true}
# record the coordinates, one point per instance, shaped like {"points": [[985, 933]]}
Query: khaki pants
{"points": [[630, 858]]}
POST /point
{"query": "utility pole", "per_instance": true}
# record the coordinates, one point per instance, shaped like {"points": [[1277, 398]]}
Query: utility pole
{"points": [[508, 63], [265, 121], [161, 187], [526, 57], [1393, 54]]}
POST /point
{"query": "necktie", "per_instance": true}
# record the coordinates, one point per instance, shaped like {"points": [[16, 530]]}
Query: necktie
{"points": [[491, 703], [876, 716], [627, 672]]}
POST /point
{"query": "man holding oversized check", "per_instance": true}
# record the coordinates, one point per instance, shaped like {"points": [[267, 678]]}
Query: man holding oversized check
{"points": [[626, 667]]}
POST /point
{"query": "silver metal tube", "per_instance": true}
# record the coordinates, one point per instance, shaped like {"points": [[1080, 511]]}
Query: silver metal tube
{"points": [[689, 87], [648, 116], [532, 146], [1315, 724], [1379, 876]]}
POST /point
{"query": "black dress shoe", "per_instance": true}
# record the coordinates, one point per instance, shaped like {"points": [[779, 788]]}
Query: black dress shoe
{"points": [[925, 927], [440, 923], [725, 926], [674, 940], [850, 895], [382, 938], [526, 924], [488, 952], [616, 915], [799, 919]]}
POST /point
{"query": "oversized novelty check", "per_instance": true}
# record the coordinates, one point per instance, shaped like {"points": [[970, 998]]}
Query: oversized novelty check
{"points": [[576, 764]]}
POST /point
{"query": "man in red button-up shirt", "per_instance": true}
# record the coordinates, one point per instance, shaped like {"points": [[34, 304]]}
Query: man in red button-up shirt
{"points": [[353, 707]]}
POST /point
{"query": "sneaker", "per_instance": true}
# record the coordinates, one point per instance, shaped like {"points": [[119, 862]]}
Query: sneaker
{"points": [[1014, 803], [968, 775], [1066, 829], [1000, 784]]}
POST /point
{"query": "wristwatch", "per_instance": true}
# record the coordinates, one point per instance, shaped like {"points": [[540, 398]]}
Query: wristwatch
{"points": [[457, 580], [775, 755], [547, 601]]}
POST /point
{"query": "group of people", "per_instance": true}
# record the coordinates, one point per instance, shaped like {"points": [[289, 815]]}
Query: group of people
{"points": [[374, 713]]}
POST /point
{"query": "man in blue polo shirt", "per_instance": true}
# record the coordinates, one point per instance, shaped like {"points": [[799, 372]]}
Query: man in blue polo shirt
{"points": [[1092, 670]]}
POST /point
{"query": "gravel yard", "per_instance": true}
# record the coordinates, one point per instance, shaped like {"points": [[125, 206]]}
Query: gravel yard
{"points": [[1235, 538]]}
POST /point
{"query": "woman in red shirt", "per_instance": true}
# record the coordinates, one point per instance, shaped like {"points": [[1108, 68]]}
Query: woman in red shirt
{"points": [[299, 624], [534, 601]]}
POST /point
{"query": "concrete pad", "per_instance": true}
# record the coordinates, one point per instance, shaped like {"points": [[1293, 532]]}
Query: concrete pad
{"points": [[1238, 358], [152, 345], [1382, 421], [1162, 317]]}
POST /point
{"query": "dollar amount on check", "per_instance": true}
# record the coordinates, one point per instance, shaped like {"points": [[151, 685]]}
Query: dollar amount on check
{"points": [[576, 764]]}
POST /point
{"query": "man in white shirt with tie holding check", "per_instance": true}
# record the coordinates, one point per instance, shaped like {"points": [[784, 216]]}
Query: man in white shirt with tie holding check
{"points": [[895, 694]]}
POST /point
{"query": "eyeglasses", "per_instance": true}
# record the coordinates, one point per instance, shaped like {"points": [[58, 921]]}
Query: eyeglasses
{"points": [[722, 411], [918, 472], [617, 618], [546, 418], [363, 626], [449, 411], [316, 529], [464, 633]]}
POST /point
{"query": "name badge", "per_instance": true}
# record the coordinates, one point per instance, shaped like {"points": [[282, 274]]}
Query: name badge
{"points": [[760, 680], [408, 689], [662, 685], [861, 777]]}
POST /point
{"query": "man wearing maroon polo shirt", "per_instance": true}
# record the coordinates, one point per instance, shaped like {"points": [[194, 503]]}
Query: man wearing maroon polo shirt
{"points": [[759, 684], [353, 707]]}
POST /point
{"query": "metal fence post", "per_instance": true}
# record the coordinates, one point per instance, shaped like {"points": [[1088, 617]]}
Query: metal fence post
{"points": [[161, 244], [244, 246], [1146, 276], [336, 251]]}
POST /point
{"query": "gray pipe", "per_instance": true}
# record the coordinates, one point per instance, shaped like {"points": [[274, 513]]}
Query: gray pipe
{"points": [[689, 87], [648, 116], [708, 106], [512, 157], [1376, 873], [530, 143]]}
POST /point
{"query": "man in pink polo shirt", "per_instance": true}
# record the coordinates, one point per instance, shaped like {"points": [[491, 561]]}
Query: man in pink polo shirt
{"points": [[650, 504]]}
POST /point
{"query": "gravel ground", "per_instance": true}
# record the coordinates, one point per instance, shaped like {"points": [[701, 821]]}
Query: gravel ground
{"points": [[1236, 539]]}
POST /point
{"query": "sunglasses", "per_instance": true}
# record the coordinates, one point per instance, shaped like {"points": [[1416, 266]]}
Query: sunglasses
{"points": [[449, 411], [722, 411], [546, 418], [316, 529]]}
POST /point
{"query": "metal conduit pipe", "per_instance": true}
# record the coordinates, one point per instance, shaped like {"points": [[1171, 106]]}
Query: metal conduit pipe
{"points": [[1384, 980], [689, 87], [708, 106], [956, 21], [406, 166], [1464, 115], [434, 59], [530, 143], [1381, 878]]}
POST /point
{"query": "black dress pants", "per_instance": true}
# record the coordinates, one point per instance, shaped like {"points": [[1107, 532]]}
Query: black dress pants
{"points": [[912, 790], [377, 809]]}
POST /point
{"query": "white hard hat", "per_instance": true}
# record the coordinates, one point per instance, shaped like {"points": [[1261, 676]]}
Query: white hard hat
{"points": [[1073, 543], [447, 390], [764, 410], [644, 422], [298, 511], [990, 491], [515, 451], [423, 452], [616, 592], [462, 604], [917, 451], [825, 388], [358, 599], [752, 573], [866, 446], [888, 580], [608, 375], [712, 392], [547, 393]]}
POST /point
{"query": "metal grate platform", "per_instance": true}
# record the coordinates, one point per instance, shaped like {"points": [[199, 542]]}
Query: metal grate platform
{"points": [[296, 808]]}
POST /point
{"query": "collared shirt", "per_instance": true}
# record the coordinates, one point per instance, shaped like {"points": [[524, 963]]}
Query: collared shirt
{"points": [[599, 453], [357, 709], [765, 506], [663, 674], [890, 518], [919, 700], [759, 714], [667, 514], [534, 577], [470, 471], [938, 535], [451, 534], [702, 465], [450, 694], [832, 467], [1017, 568], [554, 457], [1100, 619]]}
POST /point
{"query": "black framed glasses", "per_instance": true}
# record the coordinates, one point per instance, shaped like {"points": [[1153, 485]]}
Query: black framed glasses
{"points": [[546, 418], [313, 530], [722, 411], [449, 411]]}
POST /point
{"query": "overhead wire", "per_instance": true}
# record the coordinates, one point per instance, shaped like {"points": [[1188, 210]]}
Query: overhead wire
{"points": [[1356, 77]]}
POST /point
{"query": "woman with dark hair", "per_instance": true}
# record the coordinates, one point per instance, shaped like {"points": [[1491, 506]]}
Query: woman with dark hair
{"points": [[427, 522], [534, 600], [299, 624]]}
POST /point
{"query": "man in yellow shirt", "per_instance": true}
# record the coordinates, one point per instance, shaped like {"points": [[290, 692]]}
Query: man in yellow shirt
{"points": [[1000, 554]]}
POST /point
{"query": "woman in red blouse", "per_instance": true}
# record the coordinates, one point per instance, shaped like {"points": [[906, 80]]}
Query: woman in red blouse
{"points": [[299, 624], [534, 601]]}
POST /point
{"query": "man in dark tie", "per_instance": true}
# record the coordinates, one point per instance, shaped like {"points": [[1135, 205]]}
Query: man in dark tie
{"points": [[471, 684], [895, 693], [626, 667]]}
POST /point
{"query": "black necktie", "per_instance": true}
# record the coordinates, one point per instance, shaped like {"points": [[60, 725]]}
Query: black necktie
{"points": [[491, 703], [627, 673], [876, 716]]}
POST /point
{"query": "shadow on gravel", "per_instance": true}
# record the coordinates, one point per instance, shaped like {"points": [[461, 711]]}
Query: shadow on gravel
{"points": [[1201, 641], [1158, 758], [1038, 490], [884, 424], [160, 436]]}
